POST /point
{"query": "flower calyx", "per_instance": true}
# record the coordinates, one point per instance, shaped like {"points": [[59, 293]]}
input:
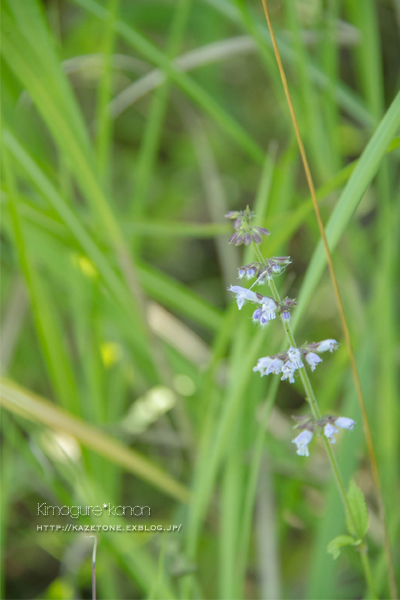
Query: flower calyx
{"points": [[245, 233], [264, 272]]}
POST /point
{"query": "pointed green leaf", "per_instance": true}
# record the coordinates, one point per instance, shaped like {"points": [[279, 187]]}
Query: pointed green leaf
{"points": [[359, 523], [338, 542]]}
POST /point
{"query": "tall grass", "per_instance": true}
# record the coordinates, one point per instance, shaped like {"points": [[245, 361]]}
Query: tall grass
{"points": [[114, 271]]}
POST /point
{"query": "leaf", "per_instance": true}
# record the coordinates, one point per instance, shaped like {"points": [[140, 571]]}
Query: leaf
{"points": [[338, 542], [359, 523]]}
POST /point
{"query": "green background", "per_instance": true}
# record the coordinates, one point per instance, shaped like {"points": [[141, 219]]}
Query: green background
{"points": [[129, 129]]}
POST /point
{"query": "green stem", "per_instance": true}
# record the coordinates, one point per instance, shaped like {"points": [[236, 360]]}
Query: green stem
{"points": [[310, 397]]}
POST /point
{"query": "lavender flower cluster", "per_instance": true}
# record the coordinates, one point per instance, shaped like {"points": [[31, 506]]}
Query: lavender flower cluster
{"points": [[289, 362], [267, 306], [244, 233], [329, 426]]}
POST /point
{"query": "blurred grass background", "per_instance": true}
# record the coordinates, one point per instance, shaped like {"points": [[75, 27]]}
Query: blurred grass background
{"points": [[129, 129]]}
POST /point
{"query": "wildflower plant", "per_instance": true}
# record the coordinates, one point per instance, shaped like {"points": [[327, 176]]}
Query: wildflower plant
{"points": [[294, 363]]}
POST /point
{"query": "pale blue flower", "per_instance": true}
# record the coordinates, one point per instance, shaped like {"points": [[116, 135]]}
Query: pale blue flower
{"points": [[263, 364], [344, 423], [313, 360], [241, 273], [295, 357], [302, 441], [250, 273], [269, 307], [242, 295], [275, 366], [257, 315], [326, 345], [288, 370], [329, 432]]}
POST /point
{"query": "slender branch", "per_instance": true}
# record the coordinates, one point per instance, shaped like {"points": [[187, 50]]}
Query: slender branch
{"points": [[367, 430]]}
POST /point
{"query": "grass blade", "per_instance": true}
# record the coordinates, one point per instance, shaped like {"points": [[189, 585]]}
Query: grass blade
{"points": [[34, 408]]}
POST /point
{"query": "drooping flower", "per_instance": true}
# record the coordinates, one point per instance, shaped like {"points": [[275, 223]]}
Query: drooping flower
{"points": [[268, 307], [257, 315], [243, 294], [313, 360], [275, 366], [302, 441], [344, 423], [325, 345], [329, 432], [295, 357], [241, 273], [263, 364], [288, 369]]}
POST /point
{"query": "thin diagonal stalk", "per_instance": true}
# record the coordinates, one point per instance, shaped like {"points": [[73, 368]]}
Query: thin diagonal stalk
{"points": [[367, 430], [310, 396]]}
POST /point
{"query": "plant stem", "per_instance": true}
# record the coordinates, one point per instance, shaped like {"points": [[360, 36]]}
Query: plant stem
{"points": [[367, 429], [310, 397]]}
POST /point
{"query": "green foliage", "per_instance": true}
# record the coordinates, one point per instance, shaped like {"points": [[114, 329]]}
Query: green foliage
{"points": [[115, 266], [334, 547], [358, 523]]}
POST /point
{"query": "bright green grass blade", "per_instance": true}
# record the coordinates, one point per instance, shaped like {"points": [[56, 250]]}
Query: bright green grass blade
{"points": [[174, 295], [174, 229], [359, 181], [329, 51], [158, 285], [368, 53], [32, 407], [305, 101], [152, 134], [190, 87], [103, 120], [16, 51], [40, 51], [115, 285], [47, 325], [231, 500], [385, 316]]}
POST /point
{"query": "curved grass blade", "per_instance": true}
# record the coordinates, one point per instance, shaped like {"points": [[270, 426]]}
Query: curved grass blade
{"points": [[20, 401]]}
